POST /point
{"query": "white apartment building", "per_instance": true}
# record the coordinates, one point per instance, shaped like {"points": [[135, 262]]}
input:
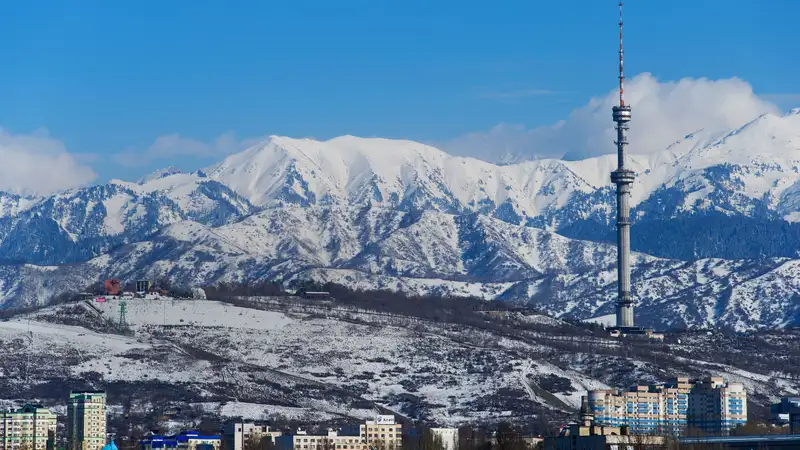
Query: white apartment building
{"points": [[86, 420], [383, 433], [27, 428], [237, 435], [303, 441]]}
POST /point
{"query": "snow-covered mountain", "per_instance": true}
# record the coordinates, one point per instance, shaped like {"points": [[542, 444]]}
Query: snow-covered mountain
{"points": [[716, 222]]}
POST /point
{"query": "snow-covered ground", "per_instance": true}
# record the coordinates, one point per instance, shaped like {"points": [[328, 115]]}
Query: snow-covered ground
{"points": [[200, 313]]}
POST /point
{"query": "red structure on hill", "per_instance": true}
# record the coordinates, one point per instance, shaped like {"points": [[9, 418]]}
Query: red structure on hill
{"points": [[113, 287]]}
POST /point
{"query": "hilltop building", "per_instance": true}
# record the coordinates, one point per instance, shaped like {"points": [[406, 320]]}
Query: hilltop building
{"points": [[86, 420], [188, 440], [710, 405], [32, 427], [240, 436]]}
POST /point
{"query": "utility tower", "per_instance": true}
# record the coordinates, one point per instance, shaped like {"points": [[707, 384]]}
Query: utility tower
{"points": [[623, 177], [123, 320]]}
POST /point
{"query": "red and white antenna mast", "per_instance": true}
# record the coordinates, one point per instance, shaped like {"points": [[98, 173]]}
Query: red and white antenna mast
{"points": [[621, 53]]}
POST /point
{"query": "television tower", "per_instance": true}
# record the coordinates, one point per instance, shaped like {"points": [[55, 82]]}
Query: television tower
{"points": [[623, 178]]}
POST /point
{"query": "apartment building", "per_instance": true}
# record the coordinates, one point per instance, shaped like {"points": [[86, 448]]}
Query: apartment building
{"points": [[330, 441], [382, 433], [86, 420], [710, 405], [247, 436], [716, 406], [32, 427]]}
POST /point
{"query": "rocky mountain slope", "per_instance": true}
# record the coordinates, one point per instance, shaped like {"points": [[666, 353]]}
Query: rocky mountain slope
{"points": [[715, 223]]}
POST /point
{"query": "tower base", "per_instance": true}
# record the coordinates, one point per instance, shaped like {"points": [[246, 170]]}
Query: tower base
{"points": [[626, 331]]}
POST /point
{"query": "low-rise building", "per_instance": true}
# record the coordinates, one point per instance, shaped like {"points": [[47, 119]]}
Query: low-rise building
{"points": [[794, 420], [31, 427], [330, 441], [247, 436], [781, 411], [588, 435], [382, 433], [188, 440]]}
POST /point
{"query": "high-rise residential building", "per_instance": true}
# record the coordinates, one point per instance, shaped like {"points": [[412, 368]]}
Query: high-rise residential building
{"points": [[31, 427], [710, 405], [86, 420]]}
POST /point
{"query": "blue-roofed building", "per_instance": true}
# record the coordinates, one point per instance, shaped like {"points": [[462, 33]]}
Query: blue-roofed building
{"points": [[188, 440]]}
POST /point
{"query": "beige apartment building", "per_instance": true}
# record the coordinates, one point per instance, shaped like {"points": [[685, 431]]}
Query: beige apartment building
{"points": [[31, 427], [710, 405], [86, 420], [382, 433]]}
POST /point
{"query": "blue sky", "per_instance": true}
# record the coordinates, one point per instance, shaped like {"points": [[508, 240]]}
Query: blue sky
{"points": [[108, 78]]}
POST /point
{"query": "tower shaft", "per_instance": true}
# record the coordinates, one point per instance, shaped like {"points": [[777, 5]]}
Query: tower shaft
{"points": [[623, 178]]}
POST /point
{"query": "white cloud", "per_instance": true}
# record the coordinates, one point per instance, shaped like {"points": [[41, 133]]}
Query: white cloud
{"points": [[39, 164], [176, 146], [662, 113]]}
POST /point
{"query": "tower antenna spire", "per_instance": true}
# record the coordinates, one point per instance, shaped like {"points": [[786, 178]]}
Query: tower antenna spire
{"points": [[621, 53]]}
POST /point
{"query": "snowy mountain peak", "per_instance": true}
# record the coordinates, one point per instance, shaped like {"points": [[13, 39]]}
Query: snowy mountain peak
{"points": [[162, 173]]}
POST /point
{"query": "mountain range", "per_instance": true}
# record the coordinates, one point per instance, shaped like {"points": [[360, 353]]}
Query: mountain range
{"points": [[716, 226]]}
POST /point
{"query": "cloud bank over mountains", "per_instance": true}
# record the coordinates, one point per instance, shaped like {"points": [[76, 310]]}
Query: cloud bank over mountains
{"points": [[37, 164], [662, 113]]}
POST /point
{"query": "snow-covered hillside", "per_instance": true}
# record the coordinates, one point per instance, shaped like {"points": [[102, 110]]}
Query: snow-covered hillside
{"points": [[282, 356]]}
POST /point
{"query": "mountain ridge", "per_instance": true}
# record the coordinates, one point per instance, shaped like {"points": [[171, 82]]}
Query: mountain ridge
{"points": [[376, 212]]}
